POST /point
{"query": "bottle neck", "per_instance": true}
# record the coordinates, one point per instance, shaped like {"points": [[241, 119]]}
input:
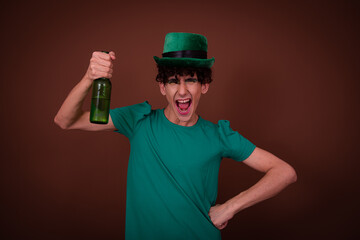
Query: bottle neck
{"points": [[102, 80]]}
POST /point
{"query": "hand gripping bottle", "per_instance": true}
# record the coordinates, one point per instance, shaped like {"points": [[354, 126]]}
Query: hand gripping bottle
{"points": [[100, 101]]}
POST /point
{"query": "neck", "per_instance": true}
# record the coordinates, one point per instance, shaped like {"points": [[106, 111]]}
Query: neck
{"points": [[174, 119]]}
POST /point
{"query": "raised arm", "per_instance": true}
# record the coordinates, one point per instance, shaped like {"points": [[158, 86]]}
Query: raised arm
{"points": [[71, 114]]}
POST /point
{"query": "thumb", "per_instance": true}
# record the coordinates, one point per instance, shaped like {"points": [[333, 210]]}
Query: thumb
{"points": [[112, 55]]}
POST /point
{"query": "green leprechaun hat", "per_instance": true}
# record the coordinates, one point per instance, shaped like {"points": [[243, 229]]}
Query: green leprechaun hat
{"points": [[185, 50]]}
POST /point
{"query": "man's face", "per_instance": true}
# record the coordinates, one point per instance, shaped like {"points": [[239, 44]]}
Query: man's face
{"points": [[183, 94]]}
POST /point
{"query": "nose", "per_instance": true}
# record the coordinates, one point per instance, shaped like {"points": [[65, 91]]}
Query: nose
{"points": [[182, 88]]}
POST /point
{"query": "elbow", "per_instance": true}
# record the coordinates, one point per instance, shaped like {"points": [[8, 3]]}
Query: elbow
{"points": [[60, 123], [287, 173], [291, 175]]}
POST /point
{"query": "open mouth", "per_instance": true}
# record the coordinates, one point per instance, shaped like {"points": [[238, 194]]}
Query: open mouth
{"points": [[183, 105]]}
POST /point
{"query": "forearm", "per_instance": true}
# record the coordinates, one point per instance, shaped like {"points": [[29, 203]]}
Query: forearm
{"points": [[274, 181], [70, 114], [71, 110]]}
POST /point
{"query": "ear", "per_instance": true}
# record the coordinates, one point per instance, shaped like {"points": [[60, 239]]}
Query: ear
{"points": [[162, 88], [205, 88]]}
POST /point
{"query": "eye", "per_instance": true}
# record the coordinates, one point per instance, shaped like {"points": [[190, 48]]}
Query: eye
{"points": [[191, 80], [173, 81]]}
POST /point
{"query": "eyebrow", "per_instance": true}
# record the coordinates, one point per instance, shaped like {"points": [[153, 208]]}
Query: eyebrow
{"points": [[176, 79], [173, 80], [173, 77]]}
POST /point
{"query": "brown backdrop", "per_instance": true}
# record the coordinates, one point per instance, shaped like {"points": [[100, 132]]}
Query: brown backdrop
{"points": [[286, 76]]}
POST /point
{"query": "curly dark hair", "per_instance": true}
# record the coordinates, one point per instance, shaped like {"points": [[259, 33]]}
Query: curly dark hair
{"points": [[204, 75]]}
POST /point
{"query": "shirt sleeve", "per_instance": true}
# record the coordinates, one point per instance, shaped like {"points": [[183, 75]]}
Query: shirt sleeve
{"points": [[125, 119], [234, 145]]}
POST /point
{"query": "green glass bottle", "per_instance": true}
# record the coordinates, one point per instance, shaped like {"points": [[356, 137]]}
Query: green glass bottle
{"points": [[100, 101]]}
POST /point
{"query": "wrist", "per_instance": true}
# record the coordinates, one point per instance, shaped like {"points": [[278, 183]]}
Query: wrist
{"points": [[87, 81], [231, 207], [235, 204]]}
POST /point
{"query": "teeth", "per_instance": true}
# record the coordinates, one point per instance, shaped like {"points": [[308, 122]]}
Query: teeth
{"points": [[184, 101]]}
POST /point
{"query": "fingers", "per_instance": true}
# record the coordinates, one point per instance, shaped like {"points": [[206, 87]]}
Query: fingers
{"points": [[99, 72], [217, 216], [222, 226], [104, 56], [219, 225], [101, 65], [101, 62]]}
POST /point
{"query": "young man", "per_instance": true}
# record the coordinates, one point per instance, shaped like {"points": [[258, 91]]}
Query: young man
{"points": [[175, 154]]}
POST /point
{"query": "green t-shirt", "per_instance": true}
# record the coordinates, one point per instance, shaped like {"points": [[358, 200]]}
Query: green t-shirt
{"points": [[172, 177]]}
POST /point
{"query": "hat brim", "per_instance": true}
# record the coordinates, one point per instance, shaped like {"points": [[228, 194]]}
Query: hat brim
{"points": [[185, 62]]}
